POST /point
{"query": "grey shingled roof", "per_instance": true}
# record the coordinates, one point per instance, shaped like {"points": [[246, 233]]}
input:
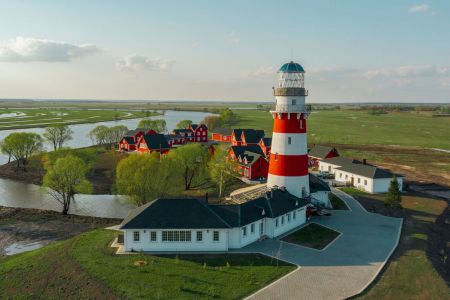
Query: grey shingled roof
{"points": [[341, 161], [267, 141], [240, 150], [194, 213], [320, 151], [173, 214], [316, 184], [366, 171]]}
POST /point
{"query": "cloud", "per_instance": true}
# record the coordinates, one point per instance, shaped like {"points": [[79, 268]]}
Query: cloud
{"points": [[233, 38], [134, 63], [23, 49], [407, 71], [262, 72], [420, 8]]}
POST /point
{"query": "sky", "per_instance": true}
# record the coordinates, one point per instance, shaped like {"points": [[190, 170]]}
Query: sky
{"points": [[352, 50]]}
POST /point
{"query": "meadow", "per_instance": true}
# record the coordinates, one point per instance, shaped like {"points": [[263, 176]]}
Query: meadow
{"points": [[43, 117], [86, 267], [358, 127]]}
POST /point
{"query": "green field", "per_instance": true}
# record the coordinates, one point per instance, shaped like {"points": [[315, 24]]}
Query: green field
{"points": [[359, 127], [26, 118], [409, 273], [313, 236], [85, 267]]}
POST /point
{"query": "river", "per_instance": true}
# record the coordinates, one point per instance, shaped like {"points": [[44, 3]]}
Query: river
{"points": [[24, 195]]}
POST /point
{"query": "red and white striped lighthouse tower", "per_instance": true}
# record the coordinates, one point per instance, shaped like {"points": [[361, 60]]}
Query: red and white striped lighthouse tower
{"points": [[289, 154]]}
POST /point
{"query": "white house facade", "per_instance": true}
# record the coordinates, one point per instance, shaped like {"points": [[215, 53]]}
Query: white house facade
{"points": [[177, 225], [365, 177]]}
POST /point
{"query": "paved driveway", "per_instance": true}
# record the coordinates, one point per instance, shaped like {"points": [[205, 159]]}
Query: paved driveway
{"points": [[345, 268]]}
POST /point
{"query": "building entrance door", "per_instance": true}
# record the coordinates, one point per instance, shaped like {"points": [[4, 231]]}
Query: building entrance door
{"points": [[261, 229]]}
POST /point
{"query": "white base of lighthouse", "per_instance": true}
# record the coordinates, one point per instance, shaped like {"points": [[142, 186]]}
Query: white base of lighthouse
{"points": [[296, 185]]}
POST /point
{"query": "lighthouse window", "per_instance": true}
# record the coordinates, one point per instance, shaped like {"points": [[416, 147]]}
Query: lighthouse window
{"points": [[276, 156], [289, 140]]}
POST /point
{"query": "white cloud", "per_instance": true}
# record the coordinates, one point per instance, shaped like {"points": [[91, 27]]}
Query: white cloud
{"points": [[23, 49], [420, 8], [262, 72], [136, 63], [407, 71], [233, 38]]}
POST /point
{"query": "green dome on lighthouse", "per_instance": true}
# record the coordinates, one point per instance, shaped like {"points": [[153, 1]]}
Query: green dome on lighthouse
{"points": [[291, 67]]}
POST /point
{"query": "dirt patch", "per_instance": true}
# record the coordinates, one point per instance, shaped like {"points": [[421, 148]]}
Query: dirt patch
{"points": [[24, 226]]}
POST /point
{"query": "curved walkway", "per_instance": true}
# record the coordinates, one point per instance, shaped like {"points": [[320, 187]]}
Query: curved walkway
{"points": [[343, 269]]}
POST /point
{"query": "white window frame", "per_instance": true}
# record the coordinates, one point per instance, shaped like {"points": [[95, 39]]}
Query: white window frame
{"points": [[244, 231], [138, 235], [199, 236], [252, 228], [155, 233], [214, 236]]}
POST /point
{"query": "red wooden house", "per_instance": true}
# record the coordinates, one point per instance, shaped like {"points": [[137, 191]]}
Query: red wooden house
{"points": [[127, 143], [252, 164], [200, 132], [130, 139], [319, 152], [266, 145], [153, 143], [246, 137], [222, 135]]}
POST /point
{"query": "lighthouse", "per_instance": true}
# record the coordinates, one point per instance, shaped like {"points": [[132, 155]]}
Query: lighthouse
{"points": [[288, 165]]}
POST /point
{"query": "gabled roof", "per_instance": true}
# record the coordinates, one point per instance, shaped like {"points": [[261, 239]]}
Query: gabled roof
{"points": [[267, 141], [316, 184], [365, 170], [278, 203], [173, 214], [156, 141], [320, 151], [223, 131], [251, 157], [252, 136], [129, 140], [341, 161], [237, 134], [240, 150], [194, 213], [194, 126], [183, 130]]}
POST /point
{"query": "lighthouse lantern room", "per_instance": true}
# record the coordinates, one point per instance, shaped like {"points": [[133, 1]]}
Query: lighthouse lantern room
{"points": [[289, 154]]}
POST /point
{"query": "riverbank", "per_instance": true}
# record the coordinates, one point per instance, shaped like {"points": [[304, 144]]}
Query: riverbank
{"points": [[22, 227], [101, 175]]}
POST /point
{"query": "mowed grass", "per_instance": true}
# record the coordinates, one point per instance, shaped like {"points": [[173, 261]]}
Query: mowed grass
{"points": [[313, 236], [410, 274], [98, 273], [359, 127], [26, 118]]}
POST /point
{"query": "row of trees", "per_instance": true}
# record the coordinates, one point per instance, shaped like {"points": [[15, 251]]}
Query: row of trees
{"points": [[156, 125], [104, 135], [146, 177]]}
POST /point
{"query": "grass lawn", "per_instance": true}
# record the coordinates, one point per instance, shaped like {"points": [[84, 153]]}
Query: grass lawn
{"points": [[26, 118], [409, 273], [359, 127], [353, 191], [85, 266], [337, 202], [313, 236]]}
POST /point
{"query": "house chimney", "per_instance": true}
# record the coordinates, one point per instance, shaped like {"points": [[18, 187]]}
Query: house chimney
{"points": [[364, 161]]}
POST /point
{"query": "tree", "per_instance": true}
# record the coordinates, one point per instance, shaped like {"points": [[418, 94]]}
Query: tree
{"points": [[114, 134], [145, 177], [156, 125], [57, 135], [21, 145], [212, 122], [5, 149], [184, 124], [227, 116], [98, 135], [393, 197], [65, 179], [191, 161], [221, 169]]}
